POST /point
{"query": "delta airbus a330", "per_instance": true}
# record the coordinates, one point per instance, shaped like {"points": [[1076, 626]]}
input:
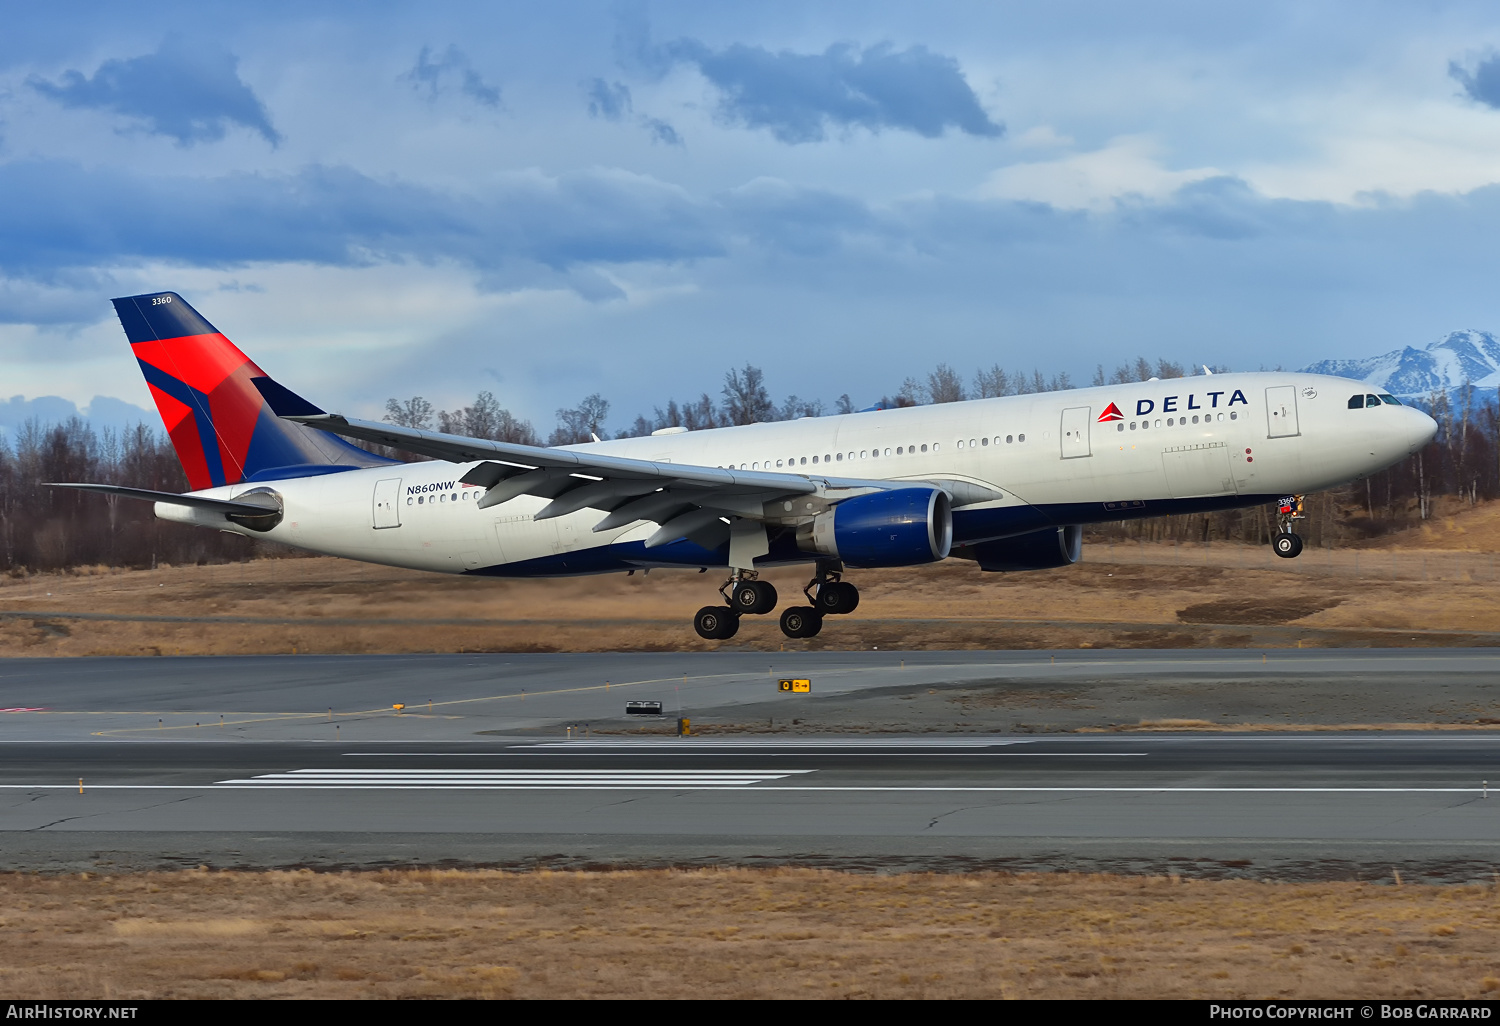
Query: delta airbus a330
{"points": [[1007, 482]]}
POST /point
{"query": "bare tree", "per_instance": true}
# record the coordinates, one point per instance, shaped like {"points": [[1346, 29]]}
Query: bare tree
{"points": [[416, 413], [991, 383], [912, 393], [944, 385], [795, 409], [487, 419], [582, 423], [701, 415], [746, 400]]}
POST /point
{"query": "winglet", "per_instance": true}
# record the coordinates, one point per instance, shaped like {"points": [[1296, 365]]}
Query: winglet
{"points": [[283, 401]]}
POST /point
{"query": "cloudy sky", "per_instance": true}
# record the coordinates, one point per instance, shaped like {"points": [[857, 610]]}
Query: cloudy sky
{"points": [[551, 200]]}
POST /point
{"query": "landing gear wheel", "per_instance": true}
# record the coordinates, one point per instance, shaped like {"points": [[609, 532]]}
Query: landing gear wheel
{"points": [[801, 622], [753, 597], [716, 623], [1287, 546], [836, 598]]}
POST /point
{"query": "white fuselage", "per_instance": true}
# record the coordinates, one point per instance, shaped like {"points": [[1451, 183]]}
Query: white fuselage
{"points": [[1183, 443]]}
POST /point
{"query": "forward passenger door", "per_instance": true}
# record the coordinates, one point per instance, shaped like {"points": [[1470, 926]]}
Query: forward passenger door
{"points": [[1281, 412], [1075, 432]]}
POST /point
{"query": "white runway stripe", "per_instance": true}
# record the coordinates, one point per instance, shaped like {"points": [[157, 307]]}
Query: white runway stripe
{"points": [[679, 743], [505, 778]]}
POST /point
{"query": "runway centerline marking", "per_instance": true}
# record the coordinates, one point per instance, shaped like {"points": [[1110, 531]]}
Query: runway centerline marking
{"points": [[510, 779]]}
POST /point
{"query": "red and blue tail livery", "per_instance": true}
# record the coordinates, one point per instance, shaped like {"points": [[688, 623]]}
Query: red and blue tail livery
{"points": [[204, 388]]}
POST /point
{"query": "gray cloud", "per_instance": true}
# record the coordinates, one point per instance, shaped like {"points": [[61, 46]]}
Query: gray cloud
{"points": [[1483, 83], [188, 92], [453, 65], [661, 131], [799, 97], [608, 100], [60, 215]]}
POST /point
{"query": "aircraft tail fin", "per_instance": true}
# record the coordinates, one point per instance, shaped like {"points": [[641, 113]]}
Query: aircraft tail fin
{"points": [[223, 429]]}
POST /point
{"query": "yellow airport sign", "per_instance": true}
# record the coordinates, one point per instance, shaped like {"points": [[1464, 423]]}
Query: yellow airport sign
{"points": [[787, 684]]}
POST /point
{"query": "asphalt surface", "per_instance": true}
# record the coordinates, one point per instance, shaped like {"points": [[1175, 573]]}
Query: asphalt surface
{"points": [[122, 764]]}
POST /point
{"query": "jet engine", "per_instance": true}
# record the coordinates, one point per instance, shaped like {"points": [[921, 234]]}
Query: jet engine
{"points": [[896, 528], [1039, 550]]}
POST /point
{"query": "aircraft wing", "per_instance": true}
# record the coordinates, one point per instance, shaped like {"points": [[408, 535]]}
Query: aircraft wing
{"points": [[686, 501]]}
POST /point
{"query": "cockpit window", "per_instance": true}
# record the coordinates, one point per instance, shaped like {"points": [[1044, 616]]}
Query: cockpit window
{"points": [[1356, 402], [1389, 400], [1372, 400]]}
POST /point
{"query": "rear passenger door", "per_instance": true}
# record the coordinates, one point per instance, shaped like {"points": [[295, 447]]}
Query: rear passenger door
{"points": [[387, 511]]}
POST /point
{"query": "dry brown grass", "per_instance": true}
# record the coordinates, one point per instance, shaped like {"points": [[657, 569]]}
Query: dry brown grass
{"points": [[737, 933], [1122, 596]]}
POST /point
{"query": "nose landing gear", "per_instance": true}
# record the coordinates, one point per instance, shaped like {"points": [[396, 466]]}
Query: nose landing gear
{"points": [[1286, 544]]}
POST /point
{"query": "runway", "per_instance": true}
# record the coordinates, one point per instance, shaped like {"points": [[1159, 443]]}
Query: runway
{"points": [[92, 782]]}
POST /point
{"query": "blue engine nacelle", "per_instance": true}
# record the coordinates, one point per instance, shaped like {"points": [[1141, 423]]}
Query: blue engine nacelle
{"points": [[896, 528], [1040, 550]]}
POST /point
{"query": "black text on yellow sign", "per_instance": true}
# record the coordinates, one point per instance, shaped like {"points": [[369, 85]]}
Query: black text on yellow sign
{"points": [[787, 684]]}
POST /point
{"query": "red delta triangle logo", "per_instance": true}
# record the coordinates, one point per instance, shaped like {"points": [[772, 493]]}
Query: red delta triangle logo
{"points": [[1111, 412]]}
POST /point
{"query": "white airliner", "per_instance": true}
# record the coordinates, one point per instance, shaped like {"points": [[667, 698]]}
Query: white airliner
{"points": [[1007, 482]]}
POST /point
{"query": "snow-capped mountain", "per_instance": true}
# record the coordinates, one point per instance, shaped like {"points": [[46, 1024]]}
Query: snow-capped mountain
{"points": [[1444, 366]]}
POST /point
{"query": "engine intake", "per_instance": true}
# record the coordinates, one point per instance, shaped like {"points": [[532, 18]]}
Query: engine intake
{"points": [[1046, 549], [896, 528]]}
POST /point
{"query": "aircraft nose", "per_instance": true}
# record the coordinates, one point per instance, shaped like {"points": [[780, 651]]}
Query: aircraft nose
{"points": [[1421, 429]]}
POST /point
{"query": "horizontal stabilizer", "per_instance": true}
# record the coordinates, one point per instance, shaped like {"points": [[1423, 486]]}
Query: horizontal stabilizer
{"points": [[283, 401], [195, 501]]}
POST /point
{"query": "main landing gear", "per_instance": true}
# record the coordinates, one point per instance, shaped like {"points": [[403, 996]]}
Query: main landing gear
{"points": [[827, 595], [1286, 544], [744, 594]]}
